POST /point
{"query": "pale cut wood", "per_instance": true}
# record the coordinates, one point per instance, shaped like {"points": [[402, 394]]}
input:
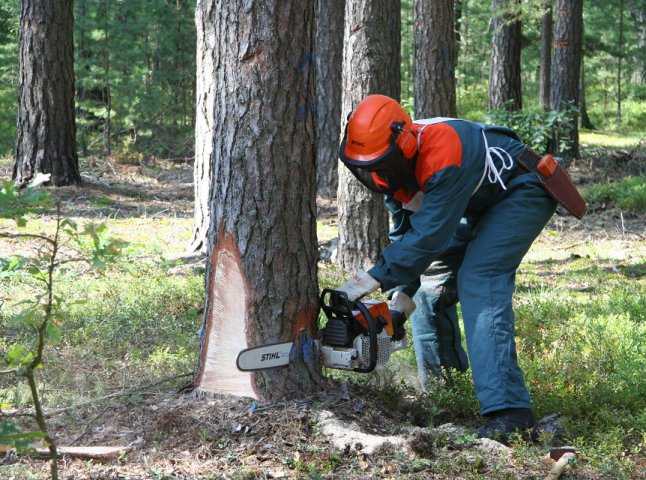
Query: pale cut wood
{"points": [[94, 453], [559, 467], [225, 332]]}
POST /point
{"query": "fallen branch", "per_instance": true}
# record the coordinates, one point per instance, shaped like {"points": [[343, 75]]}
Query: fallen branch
{"points": [[94, 453]]}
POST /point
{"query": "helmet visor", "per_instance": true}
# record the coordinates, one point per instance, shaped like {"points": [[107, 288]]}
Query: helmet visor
{"points": [[385, 174]]}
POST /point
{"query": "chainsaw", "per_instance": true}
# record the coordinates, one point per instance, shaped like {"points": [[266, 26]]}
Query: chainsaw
{"points": [[358, 336]]}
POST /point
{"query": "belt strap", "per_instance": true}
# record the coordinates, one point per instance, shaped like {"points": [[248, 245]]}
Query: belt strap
{"points": [[528, 159], [558, 184]]}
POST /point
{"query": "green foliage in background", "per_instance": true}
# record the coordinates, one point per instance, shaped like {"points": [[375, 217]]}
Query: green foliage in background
{"points": [[8, 73], [535, 126], [135, 71]]}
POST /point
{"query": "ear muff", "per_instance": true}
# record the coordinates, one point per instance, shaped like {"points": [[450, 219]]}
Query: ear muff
{"points": [[405, 139]]}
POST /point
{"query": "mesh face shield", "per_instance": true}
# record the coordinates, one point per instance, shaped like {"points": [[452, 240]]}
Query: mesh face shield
{"points": [[384, 174]]}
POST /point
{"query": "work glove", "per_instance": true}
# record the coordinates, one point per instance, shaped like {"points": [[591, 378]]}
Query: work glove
{"points": [[401, 307], [359, 285]]}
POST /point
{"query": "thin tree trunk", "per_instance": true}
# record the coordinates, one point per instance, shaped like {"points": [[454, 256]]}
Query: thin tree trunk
{"points": [[261, 270], [504, 71], [46, 124], [371, 64], [566, 68], [329, 63], [620, 47], [107, 125], [583, 108], [547, 33], [638, 16], [434, 59]]}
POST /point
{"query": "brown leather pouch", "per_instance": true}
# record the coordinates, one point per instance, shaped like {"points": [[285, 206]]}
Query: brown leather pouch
{"points": [[555, 179]]}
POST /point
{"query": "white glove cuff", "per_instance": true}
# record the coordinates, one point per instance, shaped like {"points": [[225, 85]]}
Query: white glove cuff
{"points": [[360, 284], [402, 303]]}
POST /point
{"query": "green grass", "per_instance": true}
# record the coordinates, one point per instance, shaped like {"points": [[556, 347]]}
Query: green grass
{"points": [[628, 193], [581, 337], [609, 139], [136, 322]]}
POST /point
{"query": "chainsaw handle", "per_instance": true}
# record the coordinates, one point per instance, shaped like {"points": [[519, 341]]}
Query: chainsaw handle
{"points": [[372, 334], [337, 300]]}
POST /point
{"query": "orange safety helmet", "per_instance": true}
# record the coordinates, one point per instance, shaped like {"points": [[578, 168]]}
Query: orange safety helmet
{"points": [[378, 144], [374, 129]]}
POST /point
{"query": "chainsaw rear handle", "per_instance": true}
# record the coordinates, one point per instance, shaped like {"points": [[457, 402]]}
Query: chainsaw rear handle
{"points": [[339, 304]]}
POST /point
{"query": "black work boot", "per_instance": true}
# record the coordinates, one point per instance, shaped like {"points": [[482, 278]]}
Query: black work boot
{"points": [[503, 423]]}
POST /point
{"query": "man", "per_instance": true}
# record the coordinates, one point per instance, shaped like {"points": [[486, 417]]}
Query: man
{"points": [[460, 202]]}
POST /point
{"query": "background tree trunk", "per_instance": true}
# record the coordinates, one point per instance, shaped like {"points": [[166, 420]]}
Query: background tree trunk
{"points": [[329, 62], [46, 128], [637, 13], [583, 108], [566, 66], [620, 48], [261, 269], [204, 116], [504, 70], [547, 33], [371, 64], [434, 59]]}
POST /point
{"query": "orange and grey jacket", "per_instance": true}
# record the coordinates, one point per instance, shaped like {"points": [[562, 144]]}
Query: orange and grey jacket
{"points": [[461, 169]]}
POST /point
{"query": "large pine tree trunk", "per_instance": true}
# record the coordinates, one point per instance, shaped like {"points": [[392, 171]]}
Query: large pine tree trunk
{"points": [[547, 32], [261, 269], [504, 71], [46, 128], [566, 67], [434, 59], [371, 64], [329, 62]]}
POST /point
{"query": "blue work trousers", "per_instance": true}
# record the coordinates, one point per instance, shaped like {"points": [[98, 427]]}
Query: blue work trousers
{"points": [[479, 269]]}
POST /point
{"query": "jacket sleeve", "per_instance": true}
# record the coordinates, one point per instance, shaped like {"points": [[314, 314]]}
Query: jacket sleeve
{"points": [[446, 196], [399, 216]]}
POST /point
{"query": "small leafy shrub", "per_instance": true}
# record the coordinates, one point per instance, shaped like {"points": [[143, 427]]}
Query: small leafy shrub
{"points": [[626, 194], [42, 314], [536, 126]]}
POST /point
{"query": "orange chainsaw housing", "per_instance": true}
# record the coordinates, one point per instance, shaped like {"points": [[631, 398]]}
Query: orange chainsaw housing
{"points": [[379, 311]]}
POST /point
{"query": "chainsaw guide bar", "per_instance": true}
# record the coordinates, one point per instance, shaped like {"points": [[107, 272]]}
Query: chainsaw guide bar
{"points": [[267, 356]]}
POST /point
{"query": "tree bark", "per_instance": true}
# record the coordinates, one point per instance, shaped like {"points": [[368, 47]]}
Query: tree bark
{"points": [[504, 70], [261, 269], [566, 68], [46, 128], [434, 59], [204, 116], [329, 62], [583, 108], [547, 32], [371, 64]]}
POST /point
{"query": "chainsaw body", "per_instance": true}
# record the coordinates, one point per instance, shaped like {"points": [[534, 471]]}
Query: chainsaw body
{"points": [[358, 336]]}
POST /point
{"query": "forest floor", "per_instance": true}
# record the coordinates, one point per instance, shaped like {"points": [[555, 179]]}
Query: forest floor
{"points": [[345, 433]]}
